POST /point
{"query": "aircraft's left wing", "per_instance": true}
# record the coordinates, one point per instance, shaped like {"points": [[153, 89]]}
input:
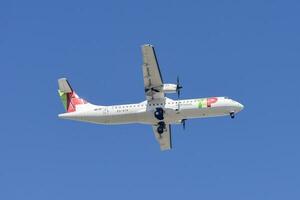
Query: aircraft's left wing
{"points": [[164, 139], [153, 82]]}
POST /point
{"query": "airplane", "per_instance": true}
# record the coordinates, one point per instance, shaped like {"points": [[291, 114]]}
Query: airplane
{"points": [[157, 110]]}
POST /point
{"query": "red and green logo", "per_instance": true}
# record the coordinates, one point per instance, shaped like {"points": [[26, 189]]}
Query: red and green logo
{"points": [[207, 102], [70, 100]]}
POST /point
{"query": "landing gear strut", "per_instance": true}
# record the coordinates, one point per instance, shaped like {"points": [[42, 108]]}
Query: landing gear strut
{"points": [[232, 115], [161, 127], [159, 114]]}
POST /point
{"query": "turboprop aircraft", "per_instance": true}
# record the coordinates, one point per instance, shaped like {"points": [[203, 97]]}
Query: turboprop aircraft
{"points": [[157, 110]]}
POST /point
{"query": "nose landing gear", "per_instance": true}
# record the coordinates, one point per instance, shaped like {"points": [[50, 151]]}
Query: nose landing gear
{"points": [[232, 115]]}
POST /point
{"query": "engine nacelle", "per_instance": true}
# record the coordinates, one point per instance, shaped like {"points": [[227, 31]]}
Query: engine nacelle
{"points": [[170, 88]]}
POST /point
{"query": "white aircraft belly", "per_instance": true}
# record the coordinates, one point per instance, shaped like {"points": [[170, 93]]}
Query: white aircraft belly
{"points": [[127, 118], [173, 116], [202, 112]]}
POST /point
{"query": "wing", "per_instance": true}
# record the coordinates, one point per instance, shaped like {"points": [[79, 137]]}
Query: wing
{"points": [[153, 82], [164, 139]]}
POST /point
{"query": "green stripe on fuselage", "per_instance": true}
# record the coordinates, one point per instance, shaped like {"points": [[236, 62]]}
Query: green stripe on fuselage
{"points": [[202, 103]]}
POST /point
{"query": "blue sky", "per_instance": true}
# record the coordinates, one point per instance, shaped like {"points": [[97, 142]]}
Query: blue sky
{"points": [[247, 50]]}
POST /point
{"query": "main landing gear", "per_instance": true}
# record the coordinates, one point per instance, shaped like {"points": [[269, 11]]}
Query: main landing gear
{"points": [[232, 115], [159, 114], [161, 127]]}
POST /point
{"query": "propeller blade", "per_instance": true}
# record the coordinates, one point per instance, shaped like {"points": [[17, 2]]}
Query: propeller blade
{"points": [[183, 123], [178, 87]]}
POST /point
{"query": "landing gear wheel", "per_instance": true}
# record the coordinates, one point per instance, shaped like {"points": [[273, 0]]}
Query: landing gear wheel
{"points": [[159, 114], [160, 130], [232, 115], [161, 127]]}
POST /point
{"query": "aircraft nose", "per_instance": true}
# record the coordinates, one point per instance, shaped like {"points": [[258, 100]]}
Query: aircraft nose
{"points": [[241, 106]]}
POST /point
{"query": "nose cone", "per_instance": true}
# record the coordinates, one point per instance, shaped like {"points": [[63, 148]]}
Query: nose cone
{"points": [[240, 106]]}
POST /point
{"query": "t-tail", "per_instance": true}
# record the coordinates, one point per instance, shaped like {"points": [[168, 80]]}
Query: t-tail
{"points": [[69, 98]]}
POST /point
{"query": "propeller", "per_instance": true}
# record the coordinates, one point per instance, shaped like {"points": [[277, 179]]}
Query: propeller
{"points": [[183, 123], [179, 87]]}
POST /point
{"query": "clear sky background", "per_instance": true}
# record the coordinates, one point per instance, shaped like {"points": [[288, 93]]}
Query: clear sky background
{"points": [[247, 50]]}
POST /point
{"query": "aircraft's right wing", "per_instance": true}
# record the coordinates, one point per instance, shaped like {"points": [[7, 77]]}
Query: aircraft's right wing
{"points": [[164, 139]]}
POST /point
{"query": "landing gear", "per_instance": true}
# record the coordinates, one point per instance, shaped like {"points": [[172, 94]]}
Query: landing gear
{"points": [[183, 123], [232, 115], [159, 114], [160, 130], [161, 127]]}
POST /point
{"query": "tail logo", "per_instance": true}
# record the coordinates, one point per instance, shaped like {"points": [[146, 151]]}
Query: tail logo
{"points": [[70, 100]]}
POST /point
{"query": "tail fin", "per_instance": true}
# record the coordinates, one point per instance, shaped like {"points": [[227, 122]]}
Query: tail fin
{"points": [[67, 95]]}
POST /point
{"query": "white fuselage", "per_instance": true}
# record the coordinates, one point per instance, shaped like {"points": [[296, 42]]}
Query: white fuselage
{"points": [[174, 111]]}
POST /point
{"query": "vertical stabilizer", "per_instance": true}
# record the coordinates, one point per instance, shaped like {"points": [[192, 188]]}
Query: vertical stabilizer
{"points": [[68, 96]]}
